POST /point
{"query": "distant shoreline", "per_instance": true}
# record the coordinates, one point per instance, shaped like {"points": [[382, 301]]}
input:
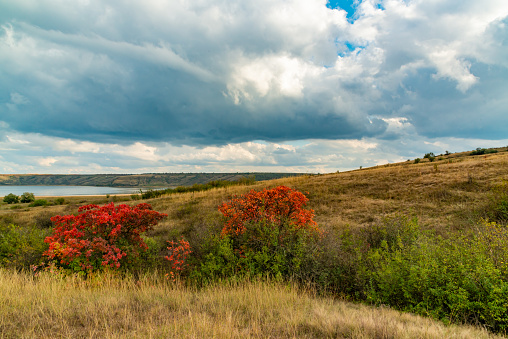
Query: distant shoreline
{"points": [[132, 181]]}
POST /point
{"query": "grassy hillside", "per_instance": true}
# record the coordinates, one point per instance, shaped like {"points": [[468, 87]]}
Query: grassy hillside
{"points": [[451, 193], [449, 197], [131, 180], [45, 307]]}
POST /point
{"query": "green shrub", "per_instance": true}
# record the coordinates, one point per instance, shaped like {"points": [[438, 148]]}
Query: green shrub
{"points": [[11, 198], [21, 248], [417, 160], [429, 156], [27, 197], [219, 261], [147, 260], [39, 202], [481, 151], [459, 279], [59, 201]]}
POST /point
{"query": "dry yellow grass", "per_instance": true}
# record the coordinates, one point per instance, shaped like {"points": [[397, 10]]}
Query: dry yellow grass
{"points": [[49, 307]]}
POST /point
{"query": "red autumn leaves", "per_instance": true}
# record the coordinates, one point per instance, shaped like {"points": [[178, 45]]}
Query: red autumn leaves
{"points": [[100, 235], [179, 251], [277, 207], [106, 236]]}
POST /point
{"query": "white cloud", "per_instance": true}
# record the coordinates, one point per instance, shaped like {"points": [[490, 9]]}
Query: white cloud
{"points": [[110, 85], [449, 66], [136, 150], [271, 75], [76, 146], [46, 162]]}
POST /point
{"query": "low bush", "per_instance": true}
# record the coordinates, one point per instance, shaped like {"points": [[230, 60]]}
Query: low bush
{"points": [[27, 197], [43, 220], [429, 156], [461, 278], [177, 257], [98, 237], [264, 233], [481, 151], [21, 248], [39, 202], [11, 198]]}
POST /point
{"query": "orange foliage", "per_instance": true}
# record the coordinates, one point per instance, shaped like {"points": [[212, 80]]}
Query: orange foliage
{"points": [[278, 207]]}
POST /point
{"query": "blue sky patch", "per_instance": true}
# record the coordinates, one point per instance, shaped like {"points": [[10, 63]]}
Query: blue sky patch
{"points": [[347, 5]]}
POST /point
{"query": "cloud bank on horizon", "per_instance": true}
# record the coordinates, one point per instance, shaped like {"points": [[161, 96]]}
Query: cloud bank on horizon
{"points": [[268, 85]]}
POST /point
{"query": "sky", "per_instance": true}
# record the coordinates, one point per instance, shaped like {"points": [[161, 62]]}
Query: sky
{"points": [[310, 86]]}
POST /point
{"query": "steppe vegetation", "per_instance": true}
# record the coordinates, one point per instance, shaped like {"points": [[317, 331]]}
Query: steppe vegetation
{"points": [[426, 238]]}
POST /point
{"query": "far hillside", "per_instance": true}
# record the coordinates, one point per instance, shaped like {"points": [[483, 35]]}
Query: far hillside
{"points": [[133, 180]]}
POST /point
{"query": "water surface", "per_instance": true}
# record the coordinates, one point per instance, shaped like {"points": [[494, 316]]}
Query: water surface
{"points": [[63, 191]]}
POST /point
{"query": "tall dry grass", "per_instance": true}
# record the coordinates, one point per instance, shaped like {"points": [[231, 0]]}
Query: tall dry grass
{"points": [[112, 307]]}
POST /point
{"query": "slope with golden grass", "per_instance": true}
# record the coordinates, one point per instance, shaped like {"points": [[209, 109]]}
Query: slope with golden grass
{"points": [[445, 194], [109, 307]]}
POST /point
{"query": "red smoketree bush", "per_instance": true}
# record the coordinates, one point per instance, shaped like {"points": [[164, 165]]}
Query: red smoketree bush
{"points": [[280, 207], [100, 236], [266, 232]]}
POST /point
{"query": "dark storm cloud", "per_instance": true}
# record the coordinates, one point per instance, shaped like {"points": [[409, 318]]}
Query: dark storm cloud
{"points": [[154, 75]]}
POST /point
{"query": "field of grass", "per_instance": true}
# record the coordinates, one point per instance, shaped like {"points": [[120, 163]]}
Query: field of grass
{"points": [[447, 196], [108, 307]]}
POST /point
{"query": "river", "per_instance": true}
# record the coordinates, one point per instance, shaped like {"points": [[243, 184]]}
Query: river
{"points": [[64, 191]]}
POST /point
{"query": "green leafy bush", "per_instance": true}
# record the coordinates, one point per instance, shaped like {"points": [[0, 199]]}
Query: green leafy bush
{"points": [[459, 279], [39, 202], [21, 248], [11, 198], [481, 151], [27, 197], [429, 156]]}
